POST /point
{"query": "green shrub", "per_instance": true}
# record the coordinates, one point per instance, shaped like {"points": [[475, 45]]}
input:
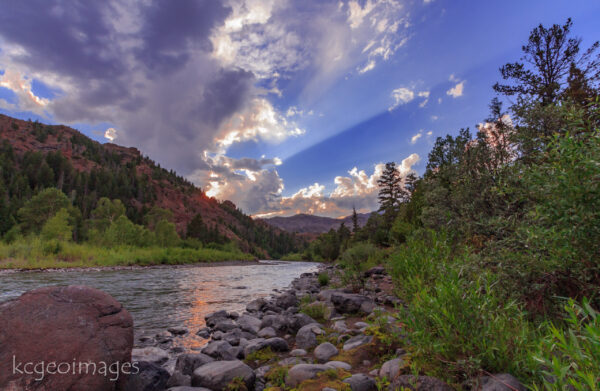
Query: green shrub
{"points": [[318, 311], [323, 279], [355, 261], [260, 356], [571, 356]]}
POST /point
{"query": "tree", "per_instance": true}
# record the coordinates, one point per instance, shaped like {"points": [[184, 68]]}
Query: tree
{"points": [[547, 59], [391, 193], [166, 235], [355, 226], [155, 215], [57, 227], [196, 228], [34, 214], [106, 213]]}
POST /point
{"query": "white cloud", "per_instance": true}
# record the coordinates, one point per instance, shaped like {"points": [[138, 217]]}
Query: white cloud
{"points": [[416, 137], [21, 86], [429, 133], [424, 94], [457, 90], [110, 134], [401, 96], [434, 117]]}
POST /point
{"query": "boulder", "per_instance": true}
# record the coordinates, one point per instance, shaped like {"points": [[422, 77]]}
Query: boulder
{"points": [[297, 321], [361, 382], [298, 353], [225, 325], [500, 382], [276, 344], [339, 364], [350, 303], [306, 337], [221, 350], [178, 330], [341, 326], [218, 374], [391, 369], [188, 362], [301, 372], [277, 322], [287, 300], [256, 305], [204, 333], [325, 351], [249, 323], [179, 379], [213, 318], [233, 337], [150, 377], [150, 354], [357, 341], [267, 332], [62, 324], [422, 383]]}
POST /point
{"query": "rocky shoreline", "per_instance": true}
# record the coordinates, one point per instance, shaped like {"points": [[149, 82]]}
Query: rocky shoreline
{"points": [[274, 346]]}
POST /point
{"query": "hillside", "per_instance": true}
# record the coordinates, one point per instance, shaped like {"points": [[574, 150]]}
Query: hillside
{"points": [[305, 223], [34, 156]]}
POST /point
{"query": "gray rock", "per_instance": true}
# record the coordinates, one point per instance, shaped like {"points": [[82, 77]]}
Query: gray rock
{"points": [[233, 337], [204, 333], [179, 379], [391, 369], [339, 364], [221, 350], [500, 382], [150, 354], [188, 362], [249, 323], [325, 294], [150, 377], [213, 318], [306, 337], [357, 341], [325, 351], [377, 270], [276, 344], [277, 322], [301, 372], [256, 305], [360, 325], [218, 374], [298, 353], [187, 388], [267, 332], [178, 330], [217, 335], [297, 321], [361, 382], [340, 326], [225, 325], [349, 303], [422, 383], [290, 361], [287, 300]]}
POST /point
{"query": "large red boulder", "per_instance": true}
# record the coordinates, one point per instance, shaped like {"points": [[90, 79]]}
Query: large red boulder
{"points": [[64, 338]]}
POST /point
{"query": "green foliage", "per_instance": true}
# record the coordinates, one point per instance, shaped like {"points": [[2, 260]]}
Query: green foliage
{"points": [[34, 214], [57, 227], [571, 355], [355, 261], [260, 357], [237, 384], [317, 310], [323, 279], [166, 235], [277, 376], [107, 211], [156, 215]]}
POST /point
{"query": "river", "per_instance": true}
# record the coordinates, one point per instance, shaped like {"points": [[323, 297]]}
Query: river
{"points": [[159, 298]]}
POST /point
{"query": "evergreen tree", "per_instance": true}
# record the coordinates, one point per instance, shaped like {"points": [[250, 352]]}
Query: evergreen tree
{"points": [[391, 193], [354, 221]]}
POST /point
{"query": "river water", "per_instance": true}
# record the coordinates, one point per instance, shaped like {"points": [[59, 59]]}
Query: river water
{"points": [[159, 298]]}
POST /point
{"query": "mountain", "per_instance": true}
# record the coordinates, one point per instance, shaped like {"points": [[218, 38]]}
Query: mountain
{"points": [[34, 156], [305, 223]]}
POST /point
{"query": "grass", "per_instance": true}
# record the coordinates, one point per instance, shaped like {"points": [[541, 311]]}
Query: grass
{"points": [[318, 311], [294, 257], [260, 357], [34, 253], [323, 279]]}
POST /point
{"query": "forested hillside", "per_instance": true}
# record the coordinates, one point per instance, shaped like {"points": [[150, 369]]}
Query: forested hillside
{"points": [[35, 157]]}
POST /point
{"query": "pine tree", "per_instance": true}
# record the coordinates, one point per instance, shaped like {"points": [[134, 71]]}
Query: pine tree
{"points": [[391, 193], [354, 220]]}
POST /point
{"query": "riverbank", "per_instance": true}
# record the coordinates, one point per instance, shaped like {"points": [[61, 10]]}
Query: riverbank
{"points": [[35, 254], [313, 336]]}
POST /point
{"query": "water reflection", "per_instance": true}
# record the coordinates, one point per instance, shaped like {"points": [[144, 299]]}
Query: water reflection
{"points": [[159, 298]]}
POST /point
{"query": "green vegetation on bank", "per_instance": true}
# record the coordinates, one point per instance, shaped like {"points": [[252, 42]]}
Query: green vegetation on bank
{"points": [[495, 250]]}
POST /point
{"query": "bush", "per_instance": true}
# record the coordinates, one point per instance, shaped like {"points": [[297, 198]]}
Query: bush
{"points": [[318, 311], [355, 261], [323, 279]]}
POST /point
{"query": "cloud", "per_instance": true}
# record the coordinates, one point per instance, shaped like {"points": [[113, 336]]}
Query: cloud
{"points": [[424, 94], [457, 90], [110, 134], [26, 99], [401, 96], [416, 137]]}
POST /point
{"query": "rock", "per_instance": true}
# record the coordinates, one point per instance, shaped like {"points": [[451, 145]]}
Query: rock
{"points": [[178, 330], [218, 374], [225, 325], [500, 382], [350, 303], [325, 351], [232, 314], [249, 323], [301, 372], [149, 354], [267, 332], [187, 363], [422, 383], [150, 377], [62, 324], [357, 341], [360, 325], [340, 326], [306, 337], [213, 318], [276, 344], [221, 350], [339, 364], [298, 353], [233, 337], [204, 333], [217, 335], [164, 337], [187, 388], [391, 369], [287, 300], [297, 321], [361, 382], [325, 294], [179, 379], [277, 322], [291, 361], [256, 305], [377, 270]]}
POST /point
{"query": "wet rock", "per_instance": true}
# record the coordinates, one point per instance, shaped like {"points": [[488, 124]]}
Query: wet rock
{"points": [[306, 337], [188, 362], [357, 341], [232, 337], [218, 374], [287, 300], [178, 330], [422, 383], [500, 382], [221, 350], [301, 372], [256, 305], [225, 325], [325, 351], [150, 377], [361, 382], [58, 324], [217, 335], [213, 318], [391, 369], [349, 303], [204, 333], [339, 364], [249, 323], [150, 354], [267, 332]]}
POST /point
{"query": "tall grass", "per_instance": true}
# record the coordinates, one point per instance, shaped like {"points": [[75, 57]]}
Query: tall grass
{"points": [[34, 253]]}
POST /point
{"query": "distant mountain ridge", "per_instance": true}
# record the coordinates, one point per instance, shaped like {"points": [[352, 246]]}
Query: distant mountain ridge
{"points": [[305, 223]]}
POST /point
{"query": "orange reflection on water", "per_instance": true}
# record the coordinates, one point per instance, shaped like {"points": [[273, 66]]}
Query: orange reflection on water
{"points": [[202, 295]]}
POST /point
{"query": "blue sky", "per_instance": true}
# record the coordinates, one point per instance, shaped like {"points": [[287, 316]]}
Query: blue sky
{"points": [[281, 106]]}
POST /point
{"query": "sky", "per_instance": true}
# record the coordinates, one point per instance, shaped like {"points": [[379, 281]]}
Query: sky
{"points": [[281, 106]]}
